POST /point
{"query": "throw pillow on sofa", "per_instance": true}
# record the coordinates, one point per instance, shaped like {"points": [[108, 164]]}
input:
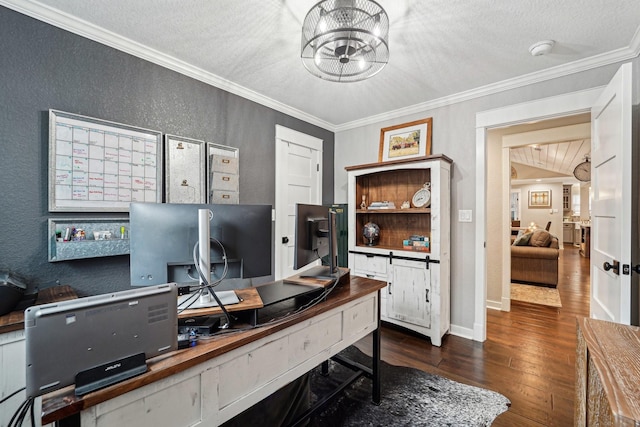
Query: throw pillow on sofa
{"points": [[540, 238], [522, 239]]}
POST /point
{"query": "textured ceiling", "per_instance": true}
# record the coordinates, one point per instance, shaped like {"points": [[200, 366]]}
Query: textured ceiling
{"points": [[439, 48]]}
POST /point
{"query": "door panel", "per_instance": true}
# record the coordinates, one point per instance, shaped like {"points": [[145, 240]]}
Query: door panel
{"points": [[611, 182], [298, 180], [408, 297]]}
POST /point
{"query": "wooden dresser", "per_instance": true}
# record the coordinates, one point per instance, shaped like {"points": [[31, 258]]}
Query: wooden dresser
{"points": [[607, 374]]}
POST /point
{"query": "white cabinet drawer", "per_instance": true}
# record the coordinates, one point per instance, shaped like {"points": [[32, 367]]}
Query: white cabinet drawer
{"points": [[370, 266]]}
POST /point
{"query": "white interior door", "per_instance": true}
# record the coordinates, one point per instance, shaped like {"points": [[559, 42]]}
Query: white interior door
{"points": [[611, 183], [298, 180]]}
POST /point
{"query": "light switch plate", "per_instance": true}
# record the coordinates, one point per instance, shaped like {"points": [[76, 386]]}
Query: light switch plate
{"points": [[465, 216]]}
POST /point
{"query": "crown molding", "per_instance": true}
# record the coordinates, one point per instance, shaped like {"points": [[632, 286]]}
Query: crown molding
{"points": [[86, 29], [618, 55]]}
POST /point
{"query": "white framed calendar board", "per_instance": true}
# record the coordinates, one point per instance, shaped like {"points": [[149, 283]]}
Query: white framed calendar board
{"points": [[96, 165]]}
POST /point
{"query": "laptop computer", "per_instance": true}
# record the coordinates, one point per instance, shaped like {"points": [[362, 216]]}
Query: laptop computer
{"points": [[98, 340]]}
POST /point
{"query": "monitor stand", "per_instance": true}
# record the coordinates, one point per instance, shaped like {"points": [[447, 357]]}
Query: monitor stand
{"points": [[320, 272], [201, 298]]}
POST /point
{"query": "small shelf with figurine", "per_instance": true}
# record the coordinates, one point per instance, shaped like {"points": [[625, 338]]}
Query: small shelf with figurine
{"points": [[79, 238]]}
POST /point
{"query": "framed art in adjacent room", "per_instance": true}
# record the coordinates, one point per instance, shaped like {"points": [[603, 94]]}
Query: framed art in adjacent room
{"points": [[540, 199], [406, 140]]}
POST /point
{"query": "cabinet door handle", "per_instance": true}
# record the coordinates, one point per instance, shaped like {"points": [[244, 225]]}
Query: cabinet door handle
{"points": [[427, 295], [371, 276], [388, 288]]}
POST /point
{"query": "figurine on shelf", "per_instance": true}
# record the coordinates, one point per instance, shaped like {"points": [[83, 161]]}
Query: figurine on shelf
{"points": [[405, 205], [363, 205]]}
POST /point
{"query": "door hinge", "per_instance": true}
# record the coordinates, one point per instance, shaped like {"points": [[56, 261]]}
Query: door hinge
{"points": [[317, 167]]}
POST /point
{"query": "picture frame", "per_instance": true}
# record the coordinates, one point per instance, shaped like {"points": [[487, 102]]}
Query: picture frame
{"points": [[405, 141], [100, 166], [540, 199]]}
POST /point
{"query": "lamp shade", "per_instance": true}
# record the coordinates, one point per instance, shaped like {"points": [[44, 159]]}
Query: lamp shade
{"points": [[345, 40]]}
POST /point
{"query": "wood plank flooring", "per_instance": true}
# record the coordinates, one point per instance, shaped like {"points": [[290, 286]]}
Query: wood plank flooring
{"points": [[529, 354]]}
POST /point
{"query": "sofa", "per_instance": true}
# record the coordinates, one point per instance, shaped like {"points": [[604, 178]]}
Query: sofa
{"points": [[534, 258]]}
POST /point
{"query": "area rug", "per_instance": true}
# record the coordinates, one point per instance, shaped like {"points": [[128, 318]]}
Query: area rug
{"points": [[410, 397], [536, 294]]}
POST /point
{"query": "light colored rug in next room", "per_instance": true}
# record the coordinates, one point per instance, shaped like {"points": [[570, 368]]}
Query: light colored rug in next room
{"points": [[536, 294]]}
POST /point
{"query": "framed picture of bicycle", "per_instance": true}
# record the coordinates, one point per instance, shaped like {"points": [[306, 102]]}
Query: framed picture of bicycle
{"points": [[406, 140]]}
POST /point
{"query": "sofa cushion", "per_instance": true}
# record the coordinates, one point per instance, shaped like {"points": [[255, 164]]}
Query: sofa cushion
{"points": [[540, 238], [522, 239]]}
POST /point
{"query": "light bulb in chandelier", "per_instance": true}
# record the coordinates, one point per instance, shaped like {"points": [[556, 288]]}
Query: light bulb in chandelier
{"points": [[345, 40]]}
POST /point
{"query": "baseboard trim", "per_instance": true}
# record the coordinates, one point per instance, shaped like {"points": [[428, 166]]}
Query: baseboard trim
{"points": [[462, 332]]}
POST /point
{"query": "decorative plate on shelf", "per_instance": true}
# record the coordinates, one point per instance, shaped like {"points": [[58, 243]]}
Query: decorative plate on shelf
{"points": [[422, 197]]}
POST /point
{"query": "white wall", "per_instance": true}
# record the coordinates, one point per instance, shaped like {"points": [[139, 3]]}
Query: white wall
{"points": [[541, 216], [454, 136]]}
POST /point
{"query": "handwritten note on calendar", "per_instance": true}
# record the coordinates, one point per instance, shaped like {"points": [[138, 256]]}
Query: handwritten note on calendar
{"points": [[96, 165]]}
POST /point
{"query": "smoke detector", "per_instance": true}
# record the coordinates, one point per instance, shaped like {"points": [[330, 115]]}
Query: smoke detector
{"points": [[542, 47]]}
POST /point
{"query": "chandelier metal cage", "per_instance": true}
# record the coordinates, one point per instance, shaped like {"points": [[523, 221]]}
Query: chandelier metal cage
{"points": [[345, 40]]}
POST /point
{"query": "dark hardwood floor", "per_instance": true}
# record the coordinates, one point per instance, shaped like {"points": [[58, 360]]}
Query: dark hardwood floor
{"points": [[529, 354]]}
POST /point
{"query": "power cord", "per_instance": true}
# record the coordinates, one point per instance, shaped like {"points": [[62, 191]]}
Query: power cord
{"points": [[25, 407], [206, 286], [315, 301]]}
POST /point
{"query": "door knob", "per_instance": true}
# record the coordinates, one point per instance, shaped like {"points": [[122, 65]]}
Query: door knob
{"points": [[615, 266], [636, 268]]}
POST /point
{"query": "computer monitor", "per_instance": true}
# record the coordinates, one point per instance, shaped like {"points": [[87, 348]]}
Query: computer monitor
{"points": [[316, 237], [163, 237]]}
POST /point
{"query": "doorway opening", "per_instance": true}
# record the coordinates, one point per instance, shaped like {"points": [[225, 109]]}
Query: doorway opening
{"points": [[493, 173], [540, 157]]}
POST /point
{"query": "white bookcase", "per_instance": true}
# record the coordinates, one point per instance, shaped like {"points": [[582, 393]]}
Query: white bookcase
{"points": [[417, 295]]}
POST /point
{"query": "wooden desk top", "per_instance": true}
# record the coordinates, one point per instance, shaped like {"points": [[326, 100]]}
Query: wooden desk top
{"points": [[14, 321], [249, 299], [63, 403]]}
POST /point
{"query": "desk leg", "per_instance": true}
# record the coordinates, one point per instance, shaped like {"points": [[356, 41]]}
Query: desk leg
{"points": [[324, 370], [375, 392]]}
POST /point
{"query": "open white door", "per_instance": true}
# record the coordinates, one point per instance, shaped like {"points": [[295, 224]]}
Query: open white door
{"points": [[298, 180], [611, 210]]}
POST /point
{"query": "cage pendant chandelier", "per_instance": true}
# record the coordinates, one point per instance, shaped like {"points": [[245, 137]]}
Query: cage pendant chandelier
{"points": [[345, 40]]}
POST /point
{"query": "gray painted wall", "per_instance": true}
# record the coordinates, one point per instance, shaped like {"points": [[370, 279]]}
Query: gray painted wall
{"points": [[44, 67]]}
